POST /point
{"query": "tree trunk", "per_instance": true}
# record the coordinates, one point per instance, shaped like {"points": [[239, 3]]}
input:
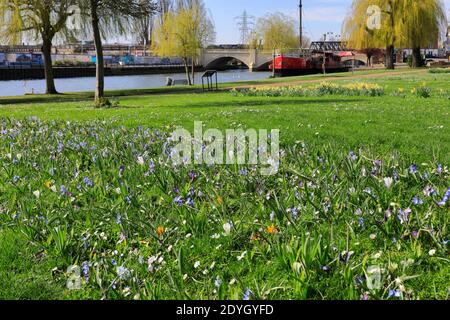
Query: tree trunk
{"points": [[48, 66], [100, 68], [416, 58], [186, 68], [390, 57], [193, 71]]}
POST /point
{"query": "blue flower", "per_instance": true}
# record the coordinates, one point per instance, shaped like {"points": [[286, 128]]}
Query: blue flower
{"points": [[247, 294], [178, 201], [403, 215], [88, 182], [417, 201], [361, 222], [85, 267], [394, 294], [190, 202], [294, 213], [413, 169]]}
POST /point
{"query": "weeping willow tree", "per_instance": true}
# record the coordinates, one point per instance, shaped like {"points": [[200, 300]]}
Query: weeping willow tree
{"points": [[401, 23], [374, 24], [110, 18], [276, 31], [37, 20], [423, 21], [182, 33]]}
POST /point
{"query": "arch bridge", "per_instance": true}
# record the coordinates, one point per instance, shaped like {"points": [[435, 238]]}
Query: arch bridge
{"points": [[254, 59]]}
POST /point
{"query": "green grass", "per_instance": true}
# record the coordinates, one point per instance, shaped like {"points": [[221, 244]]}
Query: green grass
{"points": [[41, 236]]}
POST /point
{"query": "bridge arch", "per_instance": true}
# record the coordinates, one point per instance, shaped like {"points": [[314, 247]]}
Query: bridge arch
{"points": [[221, 63], [251, 58]]}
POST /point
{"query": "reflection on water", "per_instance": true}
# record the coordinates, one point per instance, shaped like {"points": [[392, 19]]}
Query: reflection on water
{"points": [[17, 88]]}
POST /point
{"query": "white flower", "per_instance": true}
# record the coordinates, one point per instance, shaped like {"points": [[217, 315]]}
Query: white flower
{"points": [[227, 228], [432, 252], [388, 182], [140, 161], [123, 272], [118, 191], [242, 256], [37, 194], [197, 264]]}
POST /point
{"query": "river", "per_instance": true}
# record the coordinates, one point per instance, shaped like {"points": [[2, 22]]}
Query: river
{"points": [[21, 87]]}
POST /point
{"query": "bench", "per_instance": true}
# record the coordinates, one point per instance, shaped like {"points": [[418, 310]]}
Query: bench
{"points": [[176, 82]]}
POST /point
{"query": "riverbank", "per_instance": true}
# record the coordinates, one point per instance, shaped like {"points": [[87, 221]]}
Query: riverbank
{"points": [[37, 72], [299, 80]]}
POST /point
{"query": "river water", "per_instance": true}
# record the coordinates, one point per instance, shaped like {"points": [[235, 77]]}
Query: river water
{"points": [[21, 87]]}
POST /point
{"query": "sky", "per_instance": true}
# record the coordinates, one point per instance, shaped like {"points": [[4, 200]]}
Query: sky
{"points": [[320, 16]]}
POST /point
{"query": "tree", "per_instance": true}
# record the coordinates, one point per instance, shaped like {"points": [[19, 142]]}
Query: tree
{"points": [[182, 33], [408, 23], [276, 31], [423, 21], [41, 20], [360, 34], [114, 16]]}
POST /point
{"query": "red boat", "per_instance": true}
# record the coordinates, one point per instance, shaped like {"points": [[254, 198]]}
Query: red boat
{"points": [[311, 61]]}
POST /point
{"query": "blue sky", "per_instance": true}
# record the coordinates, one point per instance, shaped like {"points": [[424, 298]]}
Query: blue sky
{"points": [[320, 16]]}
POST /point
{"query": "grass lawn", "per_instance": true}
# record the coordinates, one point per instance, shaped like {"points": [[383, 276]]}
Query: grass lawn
{"points": [[89, 187]]}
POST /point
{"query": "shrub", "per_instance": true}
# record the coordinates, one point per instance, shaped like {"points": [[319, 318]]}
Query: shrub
{"points": [[422, 92], [105, 103], [439, 70]]}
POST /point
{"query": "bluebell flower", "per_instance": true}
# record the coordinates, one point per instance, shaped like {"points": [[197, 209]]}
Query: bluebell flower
{"points": [[190, 202], [178, 201], [247, 294], [352, 156], [85, 267], [413, 169], [439, 169], [361, 222], [395, 174], [243, 172], [394, 294], [152, 166], [417, 201], [294, 213], [88, 182]]}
